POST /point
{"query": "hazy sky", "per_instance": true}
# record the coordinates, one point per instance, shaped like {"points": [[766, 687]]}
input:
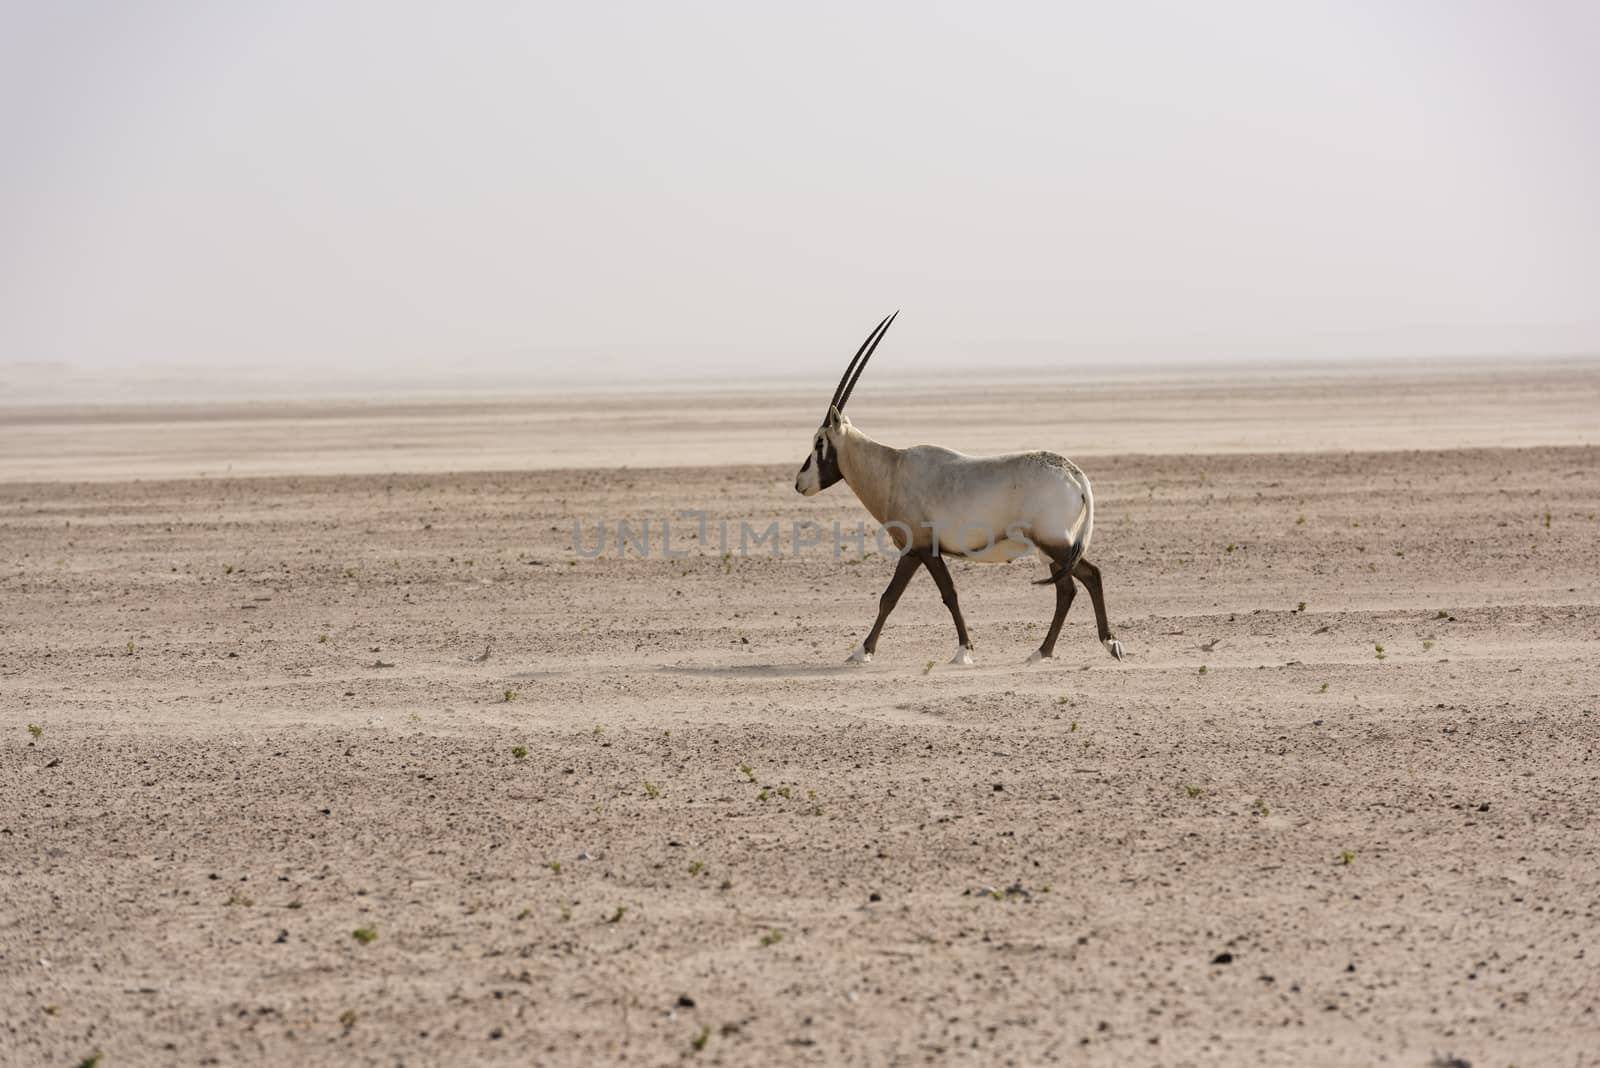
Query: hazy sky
{"points": [[651, 187]]}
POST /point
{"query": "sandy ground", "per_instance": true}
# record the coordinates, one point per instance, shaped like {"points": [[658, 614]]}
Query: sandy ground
{"points": [[1339, 805]]}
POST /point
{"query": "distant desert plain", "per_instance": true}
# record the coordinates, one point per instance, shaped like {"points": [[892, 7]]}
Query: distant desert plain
{"points": [[323, 742]]}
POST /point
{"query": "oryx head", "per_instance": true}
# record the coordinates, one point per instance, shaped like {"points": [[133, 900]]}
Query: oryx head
{"points": [[821, 468]]}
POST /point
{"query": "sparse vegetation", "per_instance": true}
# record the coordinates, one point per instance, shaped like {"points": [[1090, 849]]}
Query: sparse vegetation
{"points": [[365, 935], [1193, 791], [237, 898], [1301, 607], [510, 695], [652, 789], [1261, 808], [1427, 643], [555, 866], [1346, 857], [520, 752], [616, 917], [696, 867], [1202, 669], [927, 668], [772, 937], [1380, 653], [1323, 688], [749, 772], [35, 730], [699, 1041]]}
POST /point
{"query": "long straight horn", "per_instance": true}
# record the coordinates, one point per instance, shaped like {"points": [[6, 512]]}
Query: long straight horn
{"points": [[866, 347], [883, 329]]}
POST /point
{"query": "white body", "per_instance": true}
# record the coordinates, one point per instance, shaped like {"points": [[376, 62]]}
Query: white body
{"points": [[991, 509]]}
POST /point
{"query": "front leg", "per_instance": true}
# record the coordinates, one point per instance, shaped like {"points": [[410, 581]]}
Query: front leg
{"points": [[947, 590], [909, 562]]}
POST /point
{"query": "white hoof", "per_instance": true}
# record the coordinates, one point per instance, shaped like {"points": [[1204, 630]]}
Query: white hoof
{"points": [[1114, 647], [963, 657], [859, 656], [1036, 657]]}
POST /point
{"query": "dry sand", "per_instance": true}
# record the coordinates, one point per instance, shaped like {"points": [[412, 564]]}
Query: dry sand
{"points": [[721, 844]]}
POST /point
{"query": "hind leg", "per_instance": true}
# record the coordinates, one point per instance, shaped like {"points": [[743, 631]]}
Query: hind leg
{"points": [[1089, 575], [1066, 590]]}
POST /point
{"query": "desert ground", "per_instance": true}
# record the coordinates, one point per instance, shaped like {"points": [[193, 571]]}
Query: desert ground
{"points": [[263, 801]]}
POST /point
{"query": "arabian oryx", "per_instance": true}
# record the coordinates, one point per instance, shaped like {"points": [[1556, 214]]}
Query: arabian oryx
{"points": [[992, 509]]}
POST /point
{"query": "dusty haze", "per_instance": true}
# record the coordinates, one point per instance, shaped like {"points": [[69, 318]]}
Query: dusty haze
{"points": [[304, 193]]}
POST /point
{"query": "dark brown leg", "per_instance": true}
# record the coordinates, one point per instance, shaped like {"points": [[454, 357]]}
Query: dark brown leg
{"points": [[902, 575], [947, 590], [1089, 575], [1066, 590]]}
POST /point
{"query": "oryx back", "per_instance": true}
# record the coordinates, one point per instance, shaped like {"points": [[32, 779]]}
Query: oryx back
{"points": [[992, 509]]}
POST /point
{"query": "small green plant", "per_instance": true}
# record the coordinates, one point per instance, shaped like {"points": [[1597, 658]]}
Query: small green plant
{"points": [[1346, 857], [91, 1061], [1261, 808], [35, 730], [1202, 669], [1547, 521], [727, 561], [228, 570], [520, 752], [1380, 652], [696, 867], [1441, 614], [1427, 643], [652, 789], [348, 1018], [927, 668], [1231, 547], [1323, 688], [749, 772], [555, 866], [616, 917], [237, 898], [566, 913], [772, 937], [699, 1041], [762, 796], [510, 695], [1300, 521], [296, 903], [598, 731], [131, 648], [365, 935], [1063, 700], [322, 639], [1301, 607], [1193, 791], [1074, 727]]}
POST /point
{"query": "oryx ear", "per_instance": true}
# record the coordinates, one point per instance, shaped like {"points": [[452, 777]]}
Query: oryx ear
{"points": [[835, 419]]}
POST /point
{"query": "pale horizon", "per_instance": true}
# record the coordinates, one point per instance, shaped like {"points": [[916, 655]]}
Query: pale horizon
{"points": [[314, 198]]}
